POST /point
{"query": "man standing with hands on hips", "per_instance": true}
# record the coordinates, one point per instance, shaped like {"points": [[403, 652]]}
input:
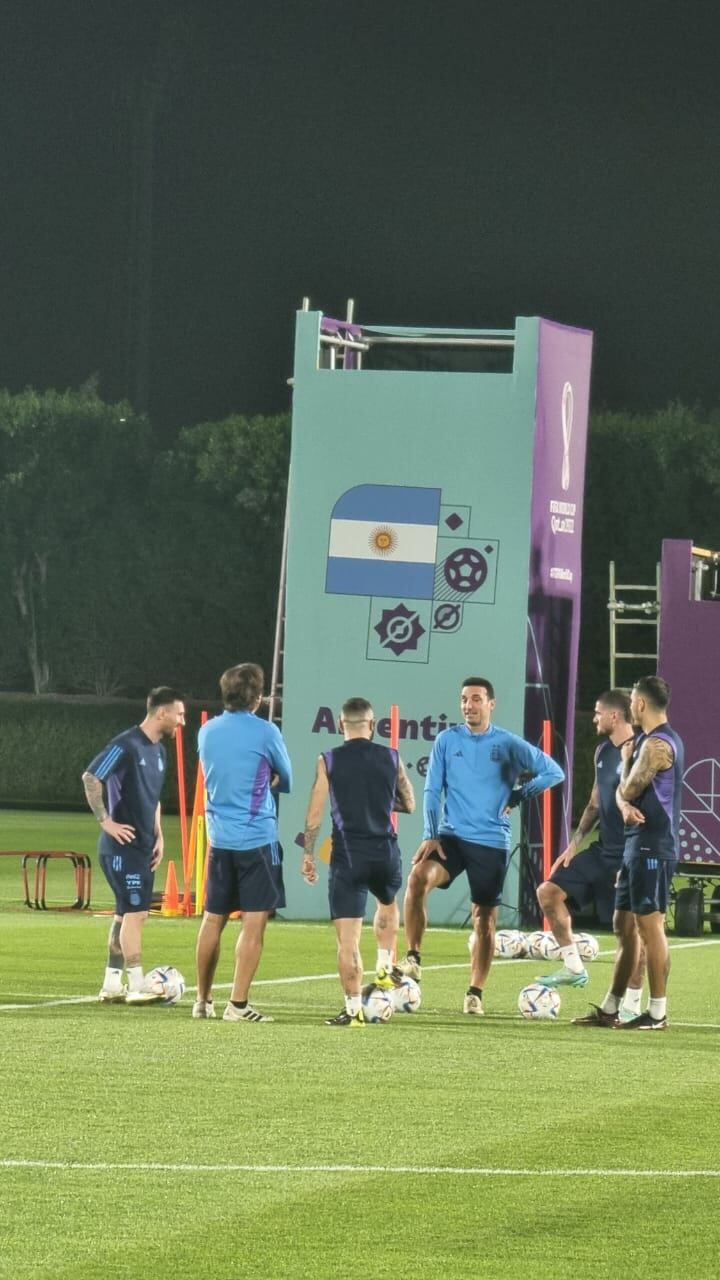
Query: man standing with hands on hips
{"points": [[122, 787]]}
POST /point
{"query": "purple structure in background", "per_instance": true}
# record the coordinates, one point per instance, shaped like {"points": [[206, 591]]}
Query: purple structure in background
{"points": [[689, 650], [343, 329], [561, 419]]}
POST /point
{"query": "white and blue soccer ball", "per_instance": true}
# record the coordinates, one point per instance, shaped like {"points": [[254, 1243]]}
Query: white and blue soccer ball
{"points": [[377, 1003], [167, 982], [536, 944], [539, 1002], [587, 945], [406, 997], [550, 947], [542, 945], [510, 943]]}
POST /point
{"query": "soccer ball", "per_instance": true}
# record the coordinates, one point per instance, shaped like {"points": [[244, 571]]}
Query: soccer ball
{"points": [[510, 943], [167, 982], [537, 1001], [550, 948], [588, 946], [377, 1003], [536, 943], [406, 998]]}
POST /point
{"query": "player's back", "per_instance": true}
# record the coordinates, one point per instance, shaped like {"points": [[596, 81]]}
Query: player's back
{"points": [[362, 777], [239, 753]]}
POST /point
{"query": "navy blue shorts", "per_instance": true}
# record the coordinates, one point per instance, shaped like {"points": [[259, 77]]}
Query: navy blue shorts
{"points": [[485, 866], [128, 873], [644, 884], [356, 872], [590, 878], [245, 880]]}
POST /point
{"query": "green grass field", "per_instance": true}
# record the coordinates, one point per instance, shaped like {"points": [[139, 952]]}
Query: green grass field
{"points": [[139, 1143]]}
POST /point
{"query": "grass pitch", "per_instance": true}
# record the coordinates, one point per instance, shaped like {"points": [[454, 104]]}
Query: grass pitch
{"points": [[138, 1143]]}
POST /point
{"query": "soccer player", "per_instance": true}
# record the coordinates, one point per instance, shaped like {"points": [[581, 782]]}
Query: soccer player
{"points": [[651, 784], [122, 787], [579, 878], [469, 789], [244, 760], [365, 783]]}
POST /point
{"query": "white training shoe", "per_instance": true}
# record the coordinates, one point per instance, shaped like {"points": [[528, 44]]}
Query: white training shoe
{"points": [[113, 995], [473, 1004], [203, 1009], [143, 997], [248, 1014], [409, 968]]}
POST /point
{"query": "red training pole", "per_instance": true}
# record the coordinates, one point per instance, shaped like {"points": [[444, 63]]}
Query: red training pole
{"points": [[395, 744], [547, 813]]}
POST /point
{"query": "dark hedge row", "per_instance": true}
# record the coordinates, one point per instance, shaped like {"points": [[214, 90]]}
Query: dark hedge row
{"points": [[47, 742]]}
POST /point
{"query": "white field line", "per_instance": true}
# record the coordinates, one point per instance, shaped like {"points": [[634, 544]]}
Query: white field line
{"points": [[422, 1170], [226, 986], [326, 977]]}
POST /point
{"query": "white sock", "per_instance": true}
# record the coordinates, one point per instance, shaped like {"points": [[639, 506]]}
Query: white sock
{"points": [[571, 958], [135, 977], [113, 979], [353, 1005], [384, 959], [610, 1004], [657, 1007], [632, 1000]]}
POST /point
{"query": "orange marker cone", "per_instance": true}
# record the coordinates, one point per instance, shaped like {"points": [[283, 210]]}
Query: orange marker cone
{"points": [[170, 898]]}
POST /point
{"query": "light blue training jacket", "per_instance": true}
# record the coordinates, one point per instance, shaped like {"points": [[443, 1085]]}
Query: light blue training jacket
{"points": [[470, 780], [239, 754]]}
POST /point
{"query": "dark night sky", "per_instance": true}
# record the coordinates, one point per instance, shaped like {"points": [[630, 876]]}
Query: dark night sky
{"points": [[452, 163]]}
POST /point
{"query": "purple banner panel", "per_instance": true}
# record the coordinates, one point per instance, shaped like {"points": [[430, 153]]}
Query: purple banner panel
{"points": [[343, 329], [688, 660], [561, 419]]}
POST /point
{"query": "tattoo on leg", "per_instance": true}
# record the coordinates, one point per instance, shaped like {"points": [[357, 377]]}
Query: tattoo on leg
{"points": [[115, 955]]}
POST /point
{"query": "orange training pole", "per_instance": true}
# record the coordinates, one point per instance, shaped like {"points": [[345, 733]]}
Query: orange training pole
{"points": [[547, 743], [197, 812], [182, 804]]}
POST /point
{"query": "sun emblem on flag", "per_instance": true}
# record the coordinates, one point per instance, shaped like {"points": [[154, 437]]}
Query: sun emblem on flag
{"points": [[383, 540]]}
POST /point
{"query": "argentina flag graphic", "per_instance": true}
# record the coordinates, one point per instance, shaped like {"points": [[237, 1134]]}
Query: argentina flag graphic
{"points": [[383, 542]]}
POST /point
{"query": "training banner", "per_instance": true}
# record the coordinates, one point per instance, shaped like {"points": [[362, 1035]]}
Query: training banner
{"points": [[688, 659], [411, 546], [561, 420]]}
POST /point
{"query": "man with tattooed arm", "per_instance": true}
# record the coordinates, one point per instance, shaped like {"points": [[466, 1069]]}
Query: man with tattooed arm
{"points": [[651, 785], [122, 787]]}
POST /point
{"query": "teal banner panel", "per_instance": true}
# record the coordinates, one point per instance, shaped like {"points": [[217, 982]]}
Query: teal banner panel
{"points": [[410, 504]]}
